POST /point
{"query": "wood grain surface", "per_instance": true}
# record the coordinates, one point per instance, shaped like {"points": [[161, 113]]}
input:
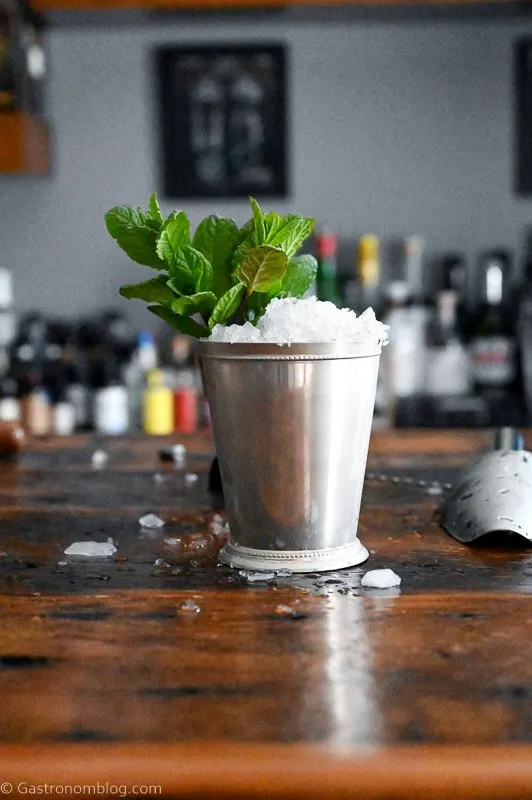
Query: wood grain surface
{"points": [[302, 686]]}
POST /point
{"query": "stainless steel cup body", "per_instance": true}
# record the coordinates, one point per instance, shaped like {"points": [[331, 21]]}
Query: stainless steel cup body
{"points": [[292, 426]]}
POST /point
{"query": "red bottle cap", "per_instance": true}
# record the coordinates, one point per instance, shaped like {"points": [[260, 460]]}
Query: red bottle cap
{"points": [[326, 244]]}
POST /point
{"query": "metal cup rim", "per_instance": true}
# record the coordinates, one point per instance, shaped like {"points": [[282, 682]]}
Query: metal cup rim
{"points": [[298, 351]]}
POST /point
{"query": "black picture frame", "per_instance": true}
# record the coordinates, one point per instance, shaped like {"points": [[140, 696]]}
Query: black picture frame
{"points": [[223, 120], [523, 117]]}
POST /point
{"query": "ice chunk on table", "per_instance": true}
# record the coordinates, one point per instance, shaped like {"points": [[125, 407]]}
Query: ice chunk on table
{"points": [[151, 521], [99, 459], [91, 549], [380, 579]]}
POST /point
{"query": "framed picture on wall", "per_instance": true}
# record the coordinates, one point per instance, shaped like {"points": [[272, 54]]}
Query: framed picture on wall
{"points": [[223, 120]]}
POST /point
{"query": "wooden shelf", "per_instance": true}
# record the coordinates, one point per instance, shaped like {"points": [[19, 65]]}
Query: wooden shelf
{"points": [[167, 5], [24, 144]]}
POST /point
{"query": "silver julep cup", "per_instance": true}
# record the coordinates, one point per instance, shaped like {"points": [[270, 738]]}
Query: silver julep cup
{"points": [[292, 426]]}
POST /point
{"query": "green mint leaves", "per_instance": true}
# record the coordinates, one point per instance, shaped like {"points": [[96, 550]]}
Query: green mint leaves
{"points": [[261, 268], [222, 274]]}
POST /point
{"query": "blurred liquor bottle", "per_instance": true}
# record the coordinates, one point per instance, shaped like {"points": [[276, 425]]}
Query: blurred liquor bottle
{"points": [[8, 324], [22, 59], [362, 290], [493, 344], [454, 271], [448, 365], [7, 65], [327, 287], [522, 301], [158, 406]]}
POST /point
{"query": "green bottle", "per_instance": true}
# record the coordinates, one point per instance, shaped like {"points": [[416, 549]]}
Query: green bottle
{"points": [[326, 278]]}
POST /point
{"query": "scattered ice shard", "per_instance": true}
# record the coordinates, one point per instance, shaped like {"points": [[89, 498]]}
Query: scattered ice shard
{"points": [[151, 521], [191, 478], [380, 579], [218, 526], [256, 577], [173, 541], [284, 573], [190, 607], [283, 610], [91, 549], [99, 459]]}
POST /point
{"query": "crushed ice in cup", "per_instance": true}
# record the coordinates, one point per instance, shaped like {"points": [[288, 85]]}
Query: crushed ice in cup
{"points": [[151, 521], [99, 459], [190, 607], [91, 549], [289, 320], [380, 579]]}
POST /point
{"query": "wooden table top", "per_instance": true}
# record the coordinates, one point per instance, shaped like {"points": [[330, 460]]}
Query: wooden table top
{"points": [[305, 686]]}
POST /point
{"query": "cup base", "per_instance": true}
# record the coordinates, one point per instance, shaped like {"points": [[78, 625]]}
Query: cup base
{"points": [[323, 560]]}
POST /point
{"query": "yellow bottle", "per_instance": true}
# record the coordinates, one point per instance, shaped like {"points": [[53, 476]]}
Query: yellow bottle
{"points": [[158, 406]]}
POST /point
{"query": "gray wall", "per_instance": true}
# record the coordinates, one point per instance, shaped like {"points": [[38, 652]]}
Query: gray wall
{"points": [[395, 128]]}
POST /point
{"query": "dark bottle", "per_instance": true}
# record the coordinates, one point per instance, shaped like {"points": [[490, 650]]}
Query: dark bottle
{"points": [[326, 276], [522, 301], [8, 87], [362, 290], [493, 345], [454, 269]]}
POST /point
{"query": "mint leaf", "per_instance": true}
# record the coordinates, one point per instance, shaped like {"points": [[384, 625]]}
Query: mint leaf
{"points": [[248, 242], [155, 290], [217, 238], [131, 230], [272, 222], [227, 305], [181, 324], [290, 233], [123, 217], [258, 221], [155, 211], [198, 303], [300, 273], [174, 235], [195, 271], [261, 268]]}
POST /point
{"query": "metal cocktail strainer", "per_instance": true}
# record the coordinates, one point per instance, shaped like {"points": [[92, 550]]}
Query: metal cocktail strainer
{"points": [[493, 494]]}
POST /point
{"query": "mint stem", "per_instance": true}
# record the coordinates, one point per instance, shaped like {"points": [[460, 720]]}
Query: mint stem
{"points": [[239, 317]]}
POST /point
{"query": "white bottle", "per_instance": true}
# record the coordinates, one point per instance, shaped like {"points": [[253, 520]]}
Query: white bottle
{"points": [[63, 419], [111, 410], [448, 363], [7, 317], [406, 351]]}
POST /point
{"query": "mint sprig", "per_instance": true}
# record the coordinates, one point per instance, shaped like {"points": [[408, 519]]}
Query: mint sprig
{"points": [[222, 274]]}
